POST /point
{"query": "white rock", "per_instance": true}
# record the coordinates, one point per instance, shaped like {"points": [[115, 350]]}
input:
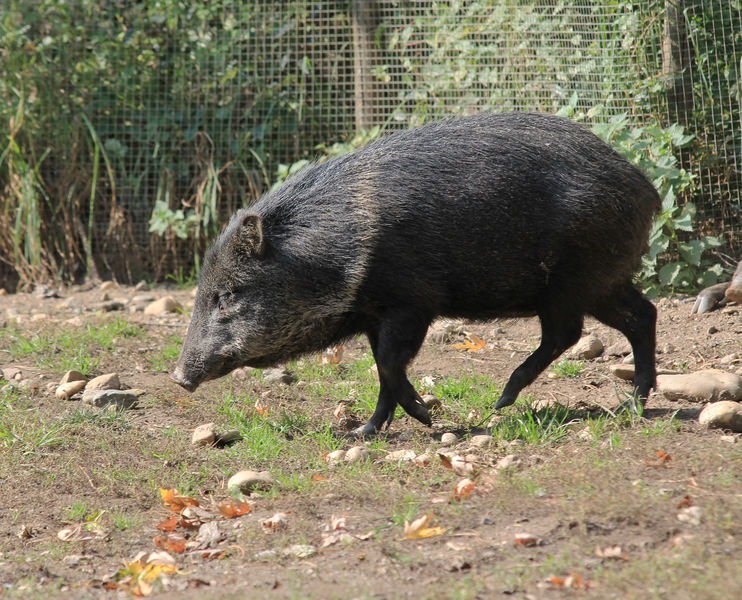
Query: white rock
{"points": [[278, 375], [72, 376], [507, 462], [65, 390], [449, 439], [588, 347], [247, 481], [430, 402], [109, 381], [105, 398], [335, 457], [480, 441], [724, 415], [702, 386], [691, 515], [400, 456], [623, 371], [357, 454], [204, 435], [164, 304]]}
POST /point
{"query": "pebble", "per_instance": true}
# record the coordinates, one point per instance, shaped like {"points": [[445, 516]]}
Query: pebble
{"points": [[507, 462], [107, 285], [72, 376], [65, 390], [12, 373], [722, 415], [702, 386], [109, 381], [204, 435], [141, 286], [108, 306], [165, 304], [431, 402], [278, 375], [587, 347], [143, 299], [357, 454], [480, 441], [104, 398], [449, 439], [299, 551], [621, 348], [691, 515], [248, 481], [335, 457], [400, 456]]}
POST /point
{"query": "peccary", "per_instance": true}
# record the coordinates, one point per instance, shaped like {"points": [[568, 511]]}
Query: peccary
{"points": [[494, 215]]}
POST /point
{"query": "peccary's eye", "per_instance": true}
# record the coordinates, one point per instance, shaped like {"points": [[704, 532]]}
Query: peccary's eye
{"points": [[222, 301]]}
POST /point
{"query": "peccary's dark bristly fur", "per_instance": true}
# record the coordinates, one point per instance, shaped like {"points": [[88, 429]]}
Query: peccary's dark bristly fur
{"points": [[479, 217]]}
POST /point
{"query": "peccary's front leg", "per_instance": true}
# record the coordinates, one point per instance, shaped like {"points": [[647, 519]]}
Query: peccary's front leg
{"points": [[395, 339]]}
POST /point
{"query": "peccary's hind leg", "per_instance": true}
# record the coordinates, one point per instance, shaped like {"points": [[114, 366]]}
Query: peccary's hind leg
{"points": [[558, 332], [395, 340], [636, 317]]}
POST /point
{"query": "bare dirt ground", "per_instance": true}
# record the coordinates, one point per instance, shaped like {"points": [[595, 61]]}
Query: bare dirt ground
{"points": [[598, 509]]}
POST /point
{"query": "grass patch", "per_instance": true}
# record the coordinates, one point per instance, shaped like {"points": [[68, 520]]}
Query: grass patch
{"points": [[568, 368]]}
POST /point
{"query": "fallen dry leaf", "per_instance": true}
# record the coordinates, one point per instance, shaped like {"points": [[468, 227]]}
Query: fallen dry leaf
{"points": [[332, 356], [526, 539], [463, 488], [662, 459], [473, 344], [573, 581], [276, 522], [168, 525], [318, 477], [341, 411], [172, 543], [175, 501], [261, 407], [685, 502], [419, 529], [82, 532], [233, 508]]}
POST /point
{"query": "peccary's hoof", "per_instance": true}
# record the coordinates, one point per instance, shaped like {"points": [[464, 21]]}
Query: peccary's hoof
{"points": [[419, 411], [366, 431], [503, 402]]}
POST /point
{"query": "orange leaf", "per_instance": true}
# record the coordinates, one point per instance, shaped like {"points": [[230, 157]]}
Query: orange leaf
{"points": [[171, 543], [233, 508], [318, 477], [446, 462], [175, 502], [685, 502], [473, 344], [463, 489], [168, 525], [663, 459]]}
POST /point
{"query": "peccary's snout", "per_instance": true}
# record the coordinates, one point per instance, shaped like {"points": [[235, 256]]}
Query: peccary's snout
{"points": [[179, 377]]}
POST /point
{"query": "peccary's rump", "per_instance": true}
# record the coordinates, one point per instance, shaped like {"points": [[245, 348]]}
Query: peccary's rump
{"points": [[480, 217]]}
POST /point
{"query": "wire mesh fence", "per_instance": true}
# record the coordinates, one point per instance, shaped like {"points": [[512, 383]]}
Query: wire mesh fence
{"points": [[136, 127]]}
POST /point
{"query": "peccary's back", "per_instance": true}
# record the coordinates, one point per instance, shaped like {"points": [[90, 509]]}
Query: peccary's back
{"points": [[483, 216]]}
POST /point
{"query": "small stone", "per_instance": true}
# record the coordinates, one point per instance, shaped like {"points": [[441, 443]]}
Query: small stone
{"points": [[702, 386], [668, 348], [431, 402], [621, 348], [266, 555], [712, 330], [248, 481], [72, 376], [278, 375], [723, 415], [141, 286], [729, 359], [480, 441], [424, 459], [166, 304], [623, 371], [107, 285], [357, 454], [12, 373], [36, 317], [400, 456], [691, 515], [507, 462], [628, 359], [588, 347], [65, 390], [204, 435], [105, 398], [105, 297], [194, 292], [109, 381], [335, 457], [143, 299], [449, 439], [299, 551]]}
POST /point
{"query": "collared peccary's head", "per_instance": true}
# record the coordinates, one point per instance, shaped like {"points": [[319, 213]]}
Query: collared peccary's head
{"points": [[273, 285]]}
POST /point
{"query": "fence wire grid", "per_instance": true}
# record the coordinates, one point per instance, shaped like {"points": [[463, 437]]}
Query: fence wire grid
{"points": [[155, 120]]}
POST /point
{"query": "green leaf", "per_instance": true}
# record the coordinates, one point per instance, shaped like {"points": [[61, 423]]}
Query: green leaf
{"points": [[670, 273]]}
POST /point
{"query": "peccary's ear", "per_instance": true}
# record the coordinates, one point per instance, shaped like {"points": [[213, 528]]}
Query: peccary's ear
{"points": [[251, 235]]}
